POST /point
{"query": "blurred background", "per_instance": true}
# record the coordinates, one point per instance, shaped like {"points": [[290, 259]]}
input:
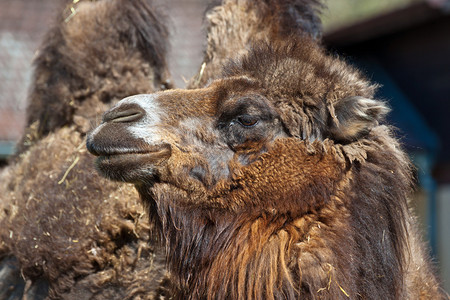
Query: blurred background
{"points": [[404, 45]]}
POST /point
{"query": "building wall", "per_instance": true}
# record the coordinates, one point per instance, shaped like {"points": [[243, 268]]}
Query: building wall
{"points": [[22, 26], [187, 37]]}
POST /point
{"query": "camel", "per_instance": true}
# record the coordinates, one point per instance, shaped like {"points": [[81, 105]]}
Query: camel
{"points": [[106, 249], [277, 178]]}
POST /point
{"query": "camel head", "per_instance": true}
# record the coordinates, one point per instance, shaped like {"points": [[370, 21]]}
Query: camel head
{"points": [[265, 130]]}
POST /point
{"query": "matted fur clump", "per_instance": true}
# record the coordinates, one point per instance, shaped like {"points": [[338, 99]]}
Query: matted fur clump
{"points": [[277, 180], [86, 237], [65, 232]]}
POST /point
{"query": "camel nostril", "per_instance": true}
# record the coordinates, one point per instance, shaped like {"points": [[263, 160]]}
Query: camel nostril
{"points": [[123, 116]]}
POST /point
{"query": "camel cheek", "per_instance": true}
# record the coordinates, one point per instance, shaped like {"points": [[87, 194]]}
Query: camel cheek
{"points": [[293, 177]]}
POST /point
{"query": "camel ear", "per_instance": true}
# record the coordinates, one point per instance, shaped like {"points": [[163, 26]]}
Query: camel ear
{"points": [[352, 118]]}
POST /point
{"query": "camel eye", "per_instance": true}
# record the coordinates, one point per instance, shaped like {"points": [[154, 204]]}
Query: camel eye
{"points": [[247, 120]]}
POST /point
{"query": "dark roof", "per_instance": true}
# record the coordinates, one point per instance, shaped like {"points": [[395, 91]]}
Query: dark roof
{"points": [[392, 22]]}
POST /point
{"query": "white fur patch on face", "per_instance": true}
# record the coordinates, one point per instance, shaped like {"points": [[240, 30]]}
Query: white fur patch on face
{"points": [[147, 127]]}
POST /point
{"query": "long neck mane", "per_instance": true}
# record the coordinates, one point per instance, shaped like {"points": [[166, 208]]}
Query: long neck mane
{"points": [[216, 255]]}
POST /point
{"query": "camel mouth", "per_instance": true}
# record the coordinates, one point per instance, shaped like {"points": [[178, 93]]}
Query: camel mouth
{"points": [[125, 166], [155, 152], [109, 148]]}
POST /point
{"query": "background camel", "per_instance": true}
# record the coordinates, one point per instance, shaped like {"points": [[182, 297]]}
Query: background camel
{"points": [[65, 232]]}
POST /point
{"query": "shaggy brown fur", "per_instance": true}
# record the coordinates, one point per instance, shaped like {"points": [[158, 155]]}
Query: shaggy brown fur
{"points": [[275, 181], [68, 232]]}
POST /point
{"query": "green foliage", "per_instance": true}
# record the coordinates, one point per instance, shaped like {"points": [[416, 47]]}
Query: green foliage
{"points": [[344, 12]]}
